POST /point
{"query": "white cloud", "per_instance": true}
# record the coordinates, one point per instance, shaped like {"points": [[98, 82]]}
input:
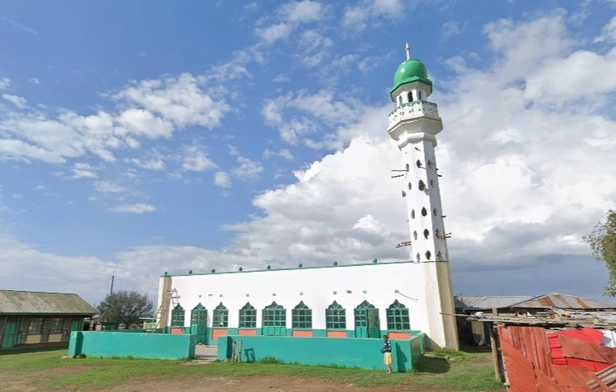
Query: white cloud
{"points": [[357, 17], [20, 102], [138, 208], [450, 28], [4, 83], [288, 17], [283, 153], [222, 180], [247, 168], [274, 33], [609, 32], [143, 122], [108, 187], [83, 170], [195, 159], [152, 164], [17, 196], [34, 81]]}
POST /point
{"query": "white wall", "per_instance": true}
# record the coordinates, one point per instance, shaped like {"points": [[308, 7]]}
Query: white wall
{"points": [[317, 287]]}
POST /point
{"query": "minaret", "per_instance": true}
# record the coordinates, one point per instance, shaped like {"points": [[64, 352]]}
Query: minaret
{"points": [[413, 124]]}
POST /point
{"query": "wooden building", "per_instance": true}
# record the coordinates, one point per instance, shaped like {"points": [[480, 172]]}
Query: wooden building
{"points": [[34, 319]]}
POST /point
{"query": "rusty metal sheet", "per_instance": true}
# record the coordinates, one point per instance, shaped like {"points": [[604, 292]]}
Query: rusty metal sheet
{"points": [[562, 301], [579, 349]]}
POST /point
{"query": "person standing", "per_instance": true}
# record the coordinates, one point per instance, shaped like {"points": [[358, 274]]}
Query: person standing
{"points": [[386, 351]]}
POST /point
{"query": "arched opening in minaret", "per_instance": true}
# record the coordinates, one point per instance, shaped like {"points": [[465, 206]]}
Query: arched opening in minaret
{"points": [[415, 235], [403, 194], [418, 163], [407, 167], [413, 215], [410, 186], [426, 233], [437, 233], [422, 185], [432, 183], [424, 212], [434, 211], [428, 255], [409, 97], [418, 257]]}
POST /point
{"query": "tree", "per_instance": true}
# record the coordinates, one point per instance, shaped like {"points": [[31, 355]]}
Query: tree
{"points": [[602, 241], [125, 307]]}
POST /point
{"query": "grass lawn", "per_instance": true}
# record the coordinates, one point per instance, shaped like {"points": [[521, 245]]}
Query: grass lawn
{"points": [[465, 370]]}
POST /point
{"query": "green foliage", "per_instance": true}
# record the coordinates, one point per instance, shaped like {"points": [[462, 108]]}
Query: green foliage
{"points": [[270, 360], [125, 307], [602, 241]]}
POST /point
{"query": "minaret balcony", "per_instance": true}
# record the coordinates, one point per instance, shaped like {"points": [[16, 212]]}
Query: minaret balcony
{"points": [[411, 110]]}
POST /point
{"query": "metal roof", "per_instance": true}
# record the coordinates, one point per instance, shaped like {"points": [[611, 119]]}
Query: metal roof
{"points": [[489, 302], [562, 301], [29, 302]]}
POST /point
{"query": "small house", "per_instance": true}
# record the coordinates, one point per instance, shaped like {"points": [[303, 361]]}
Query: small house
{"points": [[34, 319]]}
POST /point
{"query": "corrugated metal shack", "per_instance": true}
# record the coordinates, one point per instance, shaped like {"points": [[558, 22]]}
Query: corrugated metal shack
{"points": [[552, 342], [36, 319]]}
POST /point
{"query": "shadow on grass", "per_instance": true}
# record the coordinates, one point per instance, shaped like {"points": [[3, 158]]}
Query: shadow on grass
{"points": [[14, 351], [472, 349], [432, 364]]}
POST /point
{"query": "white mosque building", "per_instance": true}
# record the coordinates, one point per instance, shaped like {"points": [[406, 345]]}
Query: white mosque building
{"points": [[342, 301]]}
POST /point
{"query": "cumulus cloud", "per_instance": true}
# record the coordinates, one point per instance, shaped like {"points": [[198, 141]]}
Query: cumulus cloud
{"points": [[195, 159], [609, 32], [4, 83], [288, 17], [358, 16], [20, 102], [222, 180], [108, 187], [83, 170], [138, 208]]}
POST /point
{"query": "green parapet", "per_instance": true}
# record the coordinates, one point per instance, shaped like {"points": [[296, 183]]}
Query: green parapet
{"points": [[343, 352]]}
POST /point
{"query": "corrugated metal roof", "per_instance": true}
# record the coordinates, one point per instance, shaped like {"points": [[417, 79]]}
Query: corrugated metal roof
{"points": [[489, 301], [562, 301], [29, 302]]}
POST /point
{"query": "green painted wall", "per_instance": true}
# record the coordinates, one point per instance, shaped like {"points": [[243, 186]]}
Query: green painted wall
{"points": [[139, 345], [361, 353]]}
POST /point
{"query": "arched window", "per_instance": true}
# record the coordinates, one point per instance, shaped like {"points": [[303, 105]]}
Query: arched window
{"points": [[274, 315], [367, 321], [398, 317], [335, 316], [198, 315], [221, 316], [302, 316], [248, 316], [177, 316]]}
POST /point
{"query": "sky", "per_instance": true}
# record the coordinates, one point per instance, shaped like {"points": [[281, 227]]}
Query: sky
{"points": [[138, 138]]}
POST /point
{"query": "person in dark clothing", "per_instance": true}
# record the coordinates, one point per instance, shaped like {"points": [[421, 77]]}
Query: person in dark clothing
{"points": [[386, 351]]}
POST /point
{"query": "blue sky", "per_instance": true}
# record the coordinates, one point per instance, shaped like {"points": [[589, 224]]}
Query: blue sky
{"points": [[140, 137]]}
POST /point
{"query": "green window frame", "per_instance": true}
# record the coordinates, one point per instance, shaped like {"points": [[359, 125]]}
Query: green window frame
{"points": [[398, 317], [335, 316], [221, 316], [302, 316], [274, 315], [198, 315], [35, 326], [177, 316], [248, 316], [56, 325]]}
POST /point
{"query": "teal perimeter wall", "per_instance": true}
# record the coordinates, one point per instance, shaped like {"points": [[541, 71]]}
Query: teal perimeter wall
{"points": [[138, 345], [356, 352]]}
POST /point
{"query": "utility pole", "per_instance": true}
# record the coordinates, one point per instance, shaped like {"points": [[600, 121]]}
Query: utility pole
{"points": [[111, 289]]}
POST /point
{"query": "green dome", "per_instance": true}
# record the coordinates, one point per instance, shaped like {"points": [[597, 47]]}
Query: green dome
{"points": [[409, 71]]}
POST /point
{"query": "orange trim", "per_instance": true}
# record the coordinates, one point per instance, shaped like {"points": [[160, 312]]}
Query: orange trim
{"points": [[247, 332], [177, 331], [399, 335], [218, 332], [336, 334], [302, 334]]}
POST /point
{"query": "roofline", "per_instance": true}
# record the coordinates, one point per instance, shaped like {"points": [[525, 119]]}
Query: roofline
{"points": [[303, 268], [38, 292], [45, 314]]}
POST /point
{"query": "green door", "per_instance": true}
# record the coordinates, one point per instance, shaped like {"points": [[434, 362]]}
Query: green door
{"points": [[274, 320], [198, 324], [367, 321], [9, 334], [74, 326], [374, 330]]}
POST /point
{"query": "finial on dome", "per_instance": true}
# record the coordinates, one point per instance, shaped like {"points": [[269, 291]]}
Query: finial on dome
{"points": [[408, 51]]}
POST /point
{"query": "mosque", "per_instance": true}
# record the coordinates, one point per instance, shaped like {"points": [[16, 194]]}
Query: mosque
{"points": [[369, 300]]}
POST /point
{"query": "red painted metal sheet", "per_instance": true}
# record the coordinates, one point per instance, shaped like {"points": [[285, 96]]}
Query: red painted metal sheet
{"points": [[575, 348], [519, 369], [556, 350], [586, 334]]}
